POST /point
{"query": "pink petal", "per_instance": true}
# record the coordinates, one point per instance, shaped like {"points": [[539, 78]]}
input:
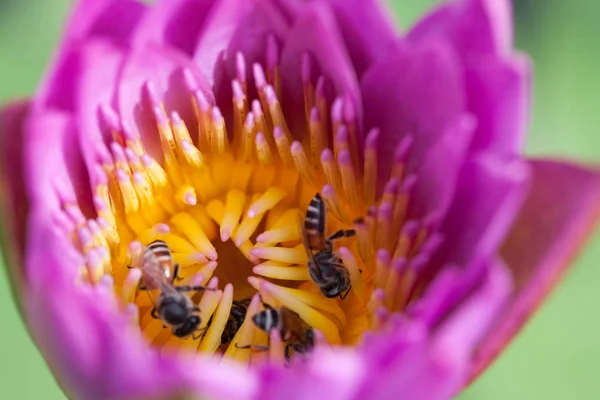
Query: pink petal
{"points": [[475, 27], [489, 194], [176, 23], [84, 78], [417, 89], [335, 375], [54, 168], [560, 211], [497, 82], [13, 199], [94, 19], [442, 163], [366, 28], [499, 94]]}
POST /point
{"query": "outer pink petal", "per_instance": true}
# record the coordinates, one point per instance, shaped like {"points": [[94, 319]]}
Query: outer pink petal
{"points": [[85, 78], [334, 375], [497, 82], [366, 29], [417, 89], [499, 94], [489, 194], [475, 27], [442, 163], [54, 169], [562, 208], [14, 204], [96, 18], [93, 19]]}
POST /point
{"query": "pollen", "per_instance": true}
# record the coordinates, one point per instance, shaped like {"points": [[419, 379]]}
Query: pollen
{"points": [[227, 190]]}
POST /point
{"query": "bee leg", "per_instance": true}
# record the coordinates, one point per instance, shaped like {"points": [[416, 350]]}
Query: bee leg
{"points": [[176, 268], [187, 288], [286, 353], [153, 313], [343, 295], [340, 234], [141, 286], [253, 347]]}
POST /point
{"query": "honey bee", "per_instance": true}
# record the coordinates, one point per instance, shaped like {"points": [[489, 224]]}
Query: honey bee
{"points": [[292, 329], [173, 307], [325, 268]]}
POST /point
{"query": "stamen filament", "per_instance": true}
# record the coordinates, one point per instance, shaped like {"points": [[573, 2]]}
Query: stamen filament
{"points": [[283, 272], [267, 201], [234, 206], [212, 339], [193, 231], [294, 255]]}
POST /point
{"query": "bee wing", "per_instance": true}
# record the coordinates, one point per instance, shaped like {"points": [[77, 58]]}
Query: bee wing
{"points": [[151, 272], [309, 253]]}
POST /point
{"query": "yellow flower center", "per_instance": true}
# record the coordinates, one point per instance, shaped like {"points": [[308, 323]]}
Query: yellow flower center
{"points": [[230, 207]]}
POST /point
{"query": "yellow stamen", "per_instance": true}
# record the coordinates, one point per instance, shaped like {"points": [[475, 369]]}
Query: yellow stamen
{"points": [[193, 231], [130, 285], [267, 201], [187, 259], [283, 147], [370, 173], [219, 141], [211, 341], [348, 179], [186, 195], [247, 228], [294, 255], [207, 305], [302, 165], [282, 272], [263, 150], [358, 285], [278, 235], [232, 213]]}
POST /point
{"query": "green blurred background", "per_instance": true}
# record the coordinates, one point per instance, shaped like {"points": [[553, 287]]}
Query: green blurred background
{"points": [[556, 356]]}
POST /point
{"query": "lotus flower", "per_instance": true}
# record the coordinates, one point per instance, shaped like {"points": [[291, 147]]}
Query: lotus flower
{"points": [[211, 124]]}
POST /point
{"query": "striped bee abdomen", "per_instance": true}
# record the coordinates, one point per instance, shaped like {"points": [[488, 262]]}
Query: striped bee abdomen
{"points": [[314, 223], [160, 250]]}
